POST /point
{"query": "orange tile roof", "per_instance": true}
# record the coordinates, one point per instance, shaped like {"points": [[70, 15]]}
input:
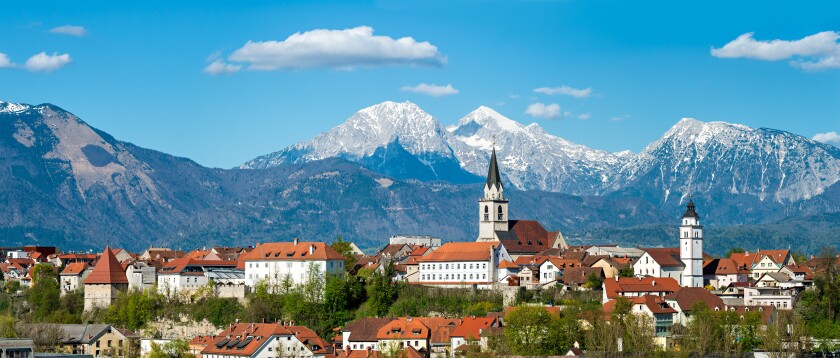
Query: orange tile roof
{"points": [[74, 268], [639, 285], [403, 328], [507, 264], [461, 251], [655, 304], [279, 251], [530, 260], [107, 271], [471, 327], [665, 257], [687, 297], [440, 328], [419, 251], [243, 339]]}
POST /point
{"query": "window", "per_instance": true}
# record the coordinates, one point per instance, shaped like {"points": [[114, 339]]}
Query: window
{"points": [[486, 213], [501, 214]]}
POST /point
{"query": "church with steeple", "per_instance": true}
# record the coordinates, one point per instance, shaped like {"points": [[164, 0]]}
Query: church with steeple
{"points": [[520, 237]]}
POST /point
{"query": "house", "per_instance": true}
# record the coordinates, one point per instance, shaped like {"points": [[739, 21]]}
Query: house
{"points": [[17, 348], [161, 254], [142, 275], [440, 329], [551, 268], [577, 277], [470, 330], [780, 298], [638, 286], [655, 307], [686, 299], [773, 279], [73, 276], [660, 262], [520, 237], [123, 255], [428, 241], [103, 283], [609, 264], [198, 343], [723, 272], [403, 332], [274, 263], [98, 340], [266, 340], [361, 333], [615, 251], [185, 275], [763, 261], [800, 275], [60, 260], [463, 264]]}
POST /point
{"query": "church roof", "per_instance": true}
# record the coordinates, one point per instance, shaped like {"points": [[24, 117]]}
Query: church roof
{"points": [[493, 177], [107, 271], [689, 210], [526, 237]]}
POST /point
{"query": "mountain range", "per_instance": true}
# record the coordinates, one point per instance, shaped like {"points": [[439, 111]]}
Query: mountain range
{"points": [[394, 169]]}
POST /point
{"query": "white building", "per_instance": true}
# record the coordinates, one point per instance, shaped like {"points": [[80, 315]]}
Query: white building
{"points": [[780, 298], [73, 276], [429, 241], [267, 340], [141, 276], [187, 275], [463, 264], [683, 263], [274, 263]]}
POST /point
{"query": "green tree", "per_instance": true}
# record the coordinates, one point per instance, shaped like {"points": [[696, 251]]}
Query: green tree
{"points": [[381, 292], [593, 281], [8, 327], [173, 349], [45, 293], [346, 250], [626, 271], [534, 331]]}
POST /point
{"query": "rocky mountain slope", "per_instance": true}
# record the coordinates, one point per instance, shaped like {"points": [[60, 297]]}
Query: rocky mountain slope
{"points": [[65, 183]]}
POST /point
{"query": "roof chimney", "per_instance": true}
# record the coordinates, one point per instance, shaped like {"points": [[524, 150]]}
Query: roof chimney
{"points": [[296, 241]]}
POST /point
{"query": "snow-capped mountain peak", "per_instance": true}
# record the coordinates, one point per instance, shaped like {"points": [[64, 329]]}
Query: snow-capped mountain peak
{"points": [[7, 107]]}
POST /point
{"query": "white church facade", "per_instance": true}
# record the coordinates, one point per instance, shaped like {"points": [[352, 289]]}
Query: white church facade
{"points": [[683, 263]]}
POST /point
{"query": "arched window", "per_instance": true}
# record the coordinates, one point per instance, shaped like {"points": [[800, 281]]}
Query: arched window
{"points": [[501, 213], [486, 213]]}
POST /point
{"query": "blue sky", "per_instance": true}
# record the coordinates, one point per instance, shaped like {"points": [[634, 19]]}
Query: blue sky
{"points": [[137, 69]]}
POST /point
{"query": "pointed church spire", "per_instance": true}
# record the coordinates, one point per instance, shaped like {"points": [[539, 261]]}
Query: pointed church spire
{"points": [[493, 177]]}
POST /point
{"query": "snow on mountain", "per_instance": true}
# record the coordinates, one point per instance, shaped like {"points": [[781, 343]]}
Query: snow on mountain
{"points": [[718, 157], [382, 136], [403, 141], [534, 159]]}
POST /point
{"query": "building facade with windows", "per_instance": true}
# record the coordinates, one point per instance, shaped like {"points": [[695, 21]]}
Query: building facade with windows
{"points": [[279, 262], [462, 264]]}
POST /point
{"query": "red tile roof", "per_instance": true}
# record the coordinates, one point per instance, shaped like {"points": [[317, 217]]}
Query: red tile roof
{"points": [[528, 237], [507, 264], [723, 267], [665, 257], [687, 297], [472, 327], [403, 328], [365, 329], [74, 268], [243, 339], [461, 251], [639, 285], [280, 251], [439, 327], [655, 304], [107, 271]]}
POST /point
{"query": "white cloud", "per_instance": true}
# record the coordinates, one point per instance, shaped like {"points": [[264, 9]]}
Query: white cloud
{"points": [[566, 90], [47, 63], [584, 116], [815, 52], [5, 61], [514, 96], [220, 67], [339, 49], [69, 30], [828, 138], [541, 110], [618, 119], [431, 90]]}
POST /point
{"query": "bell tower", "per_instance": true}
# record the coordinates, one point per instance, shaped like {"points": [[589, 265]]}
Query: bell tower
{"points": [[493, 207], [691, 247]]}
